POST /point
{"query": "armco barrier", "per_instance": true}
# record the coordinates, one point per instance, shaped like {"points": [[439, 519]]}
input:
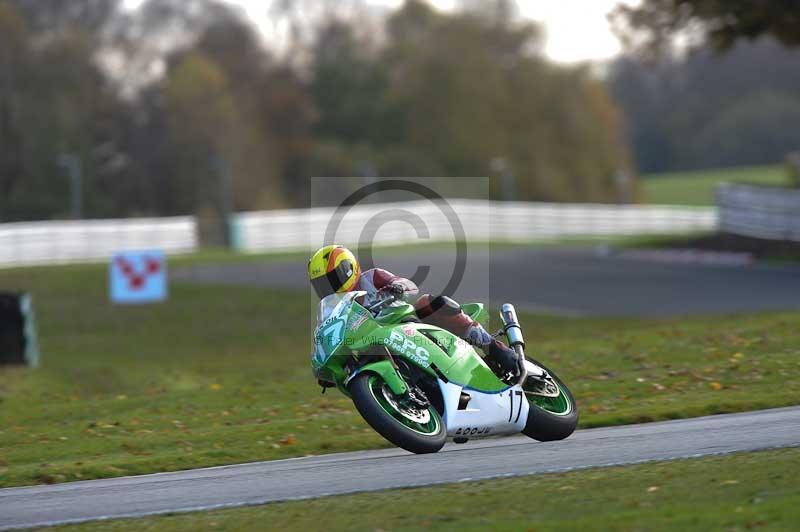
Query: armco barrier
{"points": [[760, 212], [61, 242], [304, 229]]}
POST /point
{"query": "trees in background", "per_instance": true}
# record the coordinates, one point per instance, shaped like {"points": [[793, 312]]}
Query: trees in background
{"points": [[711, 110], [731, 100], [447, 94], [155, 102], [54, 99], [654, 24]]}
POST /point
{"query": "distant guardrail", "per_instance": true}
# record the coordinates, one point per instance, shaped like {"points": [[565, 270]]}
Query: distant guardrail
{"points": [[61, 242], [761, 212], [393, 224]]}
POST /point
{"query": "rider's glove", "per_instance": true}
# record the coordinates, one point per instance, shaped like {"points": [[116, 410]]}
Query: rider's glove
{"points": [[395, 289]]}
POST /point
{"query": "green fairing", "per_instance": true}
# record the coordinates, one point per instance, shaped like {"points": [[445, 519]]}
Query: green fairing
{"points": [[394, 315], [387, 372], [477, 312], [351, 332], [473, 373], [463, 365]]}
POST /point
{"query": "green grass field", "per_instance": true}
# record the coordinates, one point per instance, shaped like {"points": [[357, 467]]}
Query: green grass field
{"points": [[221, 375], [697, 188], [737, 492]]}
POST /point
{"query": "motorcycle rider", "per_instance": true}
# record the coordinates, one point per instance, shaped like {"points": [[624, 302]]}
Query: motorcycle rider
{"points": [[335, 269]]}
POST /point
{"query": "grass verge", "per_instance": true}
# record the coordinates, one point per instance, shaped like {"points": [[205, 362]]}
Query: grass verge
{"points": [[697, 188], [221, 375], [737, 492]]}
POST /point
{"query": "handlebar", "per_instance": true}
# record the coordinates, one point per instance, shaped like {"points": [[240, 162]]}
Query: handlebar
{"points": [[378, 304]]}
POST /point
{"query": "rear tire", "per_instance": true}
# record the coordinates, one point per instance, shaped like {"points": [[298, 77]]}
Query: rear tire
{"points": [[367, 391], [551, 420]]}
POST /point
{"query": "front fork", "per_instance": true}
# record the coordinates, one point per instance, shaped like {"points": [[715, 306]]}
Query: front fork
{"points": [[513, 332]]}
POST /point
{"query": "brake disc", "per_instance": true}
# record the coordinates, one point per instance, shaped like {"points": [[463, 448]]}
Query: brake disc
{"points": [[542, 387], [412, 413]]}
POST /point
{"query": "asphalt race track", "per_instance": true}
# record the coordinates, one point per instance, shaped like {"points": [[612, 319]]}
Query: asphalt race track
{"points": [[578, 281], [300, 478]]}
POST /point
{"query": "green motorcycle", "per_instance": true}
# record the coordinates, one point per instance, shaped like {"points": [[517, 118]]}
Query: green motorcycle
{"points": [[417, 384]]}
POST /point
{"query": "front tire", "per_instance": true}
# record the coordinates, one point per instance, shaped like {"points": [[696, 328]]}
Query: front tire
{"points": [[415, 430], [550, 418]]}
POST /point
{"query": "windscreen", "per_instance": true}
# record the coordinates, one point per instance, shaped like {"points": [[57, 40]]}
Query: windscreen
{"points": [[333, 304]]}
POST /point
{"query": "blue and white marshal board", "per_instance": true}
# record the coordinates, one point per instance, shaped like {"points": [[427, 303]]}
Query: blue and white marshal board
{"points": [[138, 277]]}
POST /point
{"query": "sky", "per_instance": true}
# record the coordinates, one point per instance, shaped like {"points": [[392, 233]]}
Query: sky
{"points": [[576, 30]]}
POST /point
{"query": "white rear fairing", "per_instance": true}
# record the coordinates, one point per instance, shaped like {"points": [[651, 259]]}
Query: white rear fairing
{"points": [[486, 414]]}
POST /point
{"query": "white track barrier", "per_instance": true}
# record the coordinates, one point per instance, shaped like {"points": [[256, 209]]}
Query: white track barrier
{"points": [[62, 242], [759, 212], [295, 230]]}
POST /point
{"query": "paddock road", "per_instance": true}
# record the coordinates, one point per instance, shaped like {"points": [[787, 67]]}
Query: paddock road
{"points": [[576, 281], [301, 478]]}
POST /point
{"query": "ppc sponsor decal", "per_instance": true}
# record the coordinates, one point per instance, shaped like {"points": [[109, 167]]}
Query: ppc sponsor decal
{"points": [[138, 277], [409, 349]]}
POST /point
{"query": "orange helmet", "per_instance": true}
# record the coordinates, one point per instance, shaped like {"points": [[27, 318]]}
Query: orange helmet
{"points": [[333, 269]]}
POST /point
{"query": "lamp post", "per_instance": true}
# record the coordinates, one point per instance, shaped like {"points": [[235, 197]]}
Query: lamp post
{"points": [[223, 170], [502, 167], [72, 165], [368, 171]]}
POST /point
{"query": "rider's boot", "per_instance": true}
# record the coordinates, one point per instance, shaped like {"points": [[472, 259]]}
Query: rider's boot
{"points": [[499, 354]]}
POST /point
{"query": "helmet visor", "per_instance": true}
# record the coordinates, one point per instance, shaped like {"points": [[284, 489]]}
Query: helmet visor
{"points": [[333, 281]]}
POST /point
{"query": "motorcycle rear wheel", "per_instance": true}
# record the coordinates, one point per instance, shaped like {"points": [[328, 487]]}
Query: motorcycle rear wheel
{"points": [[416, 430]]}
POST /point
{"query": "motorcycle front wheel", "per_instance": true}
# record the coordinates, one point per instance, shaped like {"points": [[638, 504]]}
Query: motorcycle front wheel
{"points": [[411, 427], [553, 414]]}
